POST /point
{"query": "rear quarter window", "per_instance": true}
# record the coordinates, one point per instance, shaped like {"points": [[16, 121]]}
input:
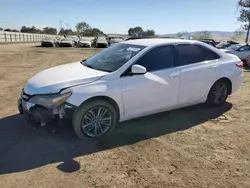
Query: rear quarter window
{"points": [[209, 54]]}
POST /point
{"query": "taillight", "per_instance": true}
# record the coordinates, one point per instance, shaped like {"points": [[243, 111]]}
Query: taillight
{"points": [[239, 64]]}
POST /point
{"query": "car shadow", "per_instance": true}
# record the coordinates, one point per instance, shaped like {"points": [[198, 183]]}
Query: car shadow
{"points": [[23, 147]]}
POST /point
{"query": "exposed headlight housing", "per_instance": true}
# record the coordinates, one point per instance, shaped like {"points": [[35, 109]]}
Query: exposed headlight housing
{"points": [[50, 101]]}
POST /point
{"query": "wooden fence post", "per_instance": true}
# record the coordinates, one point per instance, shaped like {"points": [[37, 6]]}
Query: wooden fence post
{"points": [[10, 37], [5, 38]]}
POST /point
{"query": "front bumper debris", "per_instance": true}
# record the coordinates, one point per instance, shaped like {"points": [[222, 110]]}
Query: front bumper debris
{"points": [[41, 115], [36, 113]]}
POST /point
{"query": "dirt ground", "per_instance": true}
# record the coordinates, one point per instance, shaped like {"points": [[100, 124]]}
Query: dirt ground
{"points": [[193, 147]]}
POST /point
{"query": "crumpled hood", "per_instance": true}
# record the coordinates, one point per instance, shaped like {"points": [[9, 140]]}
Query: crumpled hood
{"points": [[54, 79]]}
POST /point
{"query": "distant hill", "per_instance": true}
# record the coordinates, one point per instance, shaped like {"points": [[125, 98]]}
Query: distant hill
{"points": [[215, 34]]}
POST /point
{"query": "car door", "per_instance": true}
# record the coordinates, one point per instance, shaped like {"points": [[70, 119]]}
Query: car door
{"points": [[155, 90], [242, 52], [199, 68]]}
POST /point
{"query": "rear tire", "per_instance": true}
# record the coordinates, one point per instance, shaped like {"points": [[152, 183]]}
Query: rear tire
{"points": [[95, 119], [218, 94]]}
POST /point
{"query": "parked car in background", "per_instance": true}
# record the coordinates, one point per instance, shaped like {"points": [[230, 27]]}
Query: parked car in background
{"points": [[137, 37], [101, 42], [129, 80], [242, 51], [212, 40], [115, 41], [67, 42], [133, 38], [85, 42], [232, 47], [50, 42], [114, 37], [248, 61], [74, 38], [211, 43], [223, 45]]}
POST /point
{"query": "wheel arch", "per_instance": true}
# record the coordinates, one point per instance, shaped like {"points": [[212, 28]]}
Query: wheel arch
{"points": [[102, 97], [222, 79], [229, 83]]}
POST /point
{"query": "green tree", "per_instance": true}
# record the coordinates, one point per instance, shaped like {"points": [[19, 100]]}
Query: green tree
{"points": [[32, 29], [1, 29], [81, 27], [50, 30], [245, 16], [66, 32], [148, 33], [11, 30], [136, 31], [92, 32], [238, 34]]}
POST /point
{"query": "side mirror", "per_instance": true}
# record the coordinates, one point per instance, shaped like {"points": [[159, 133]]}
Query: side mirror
{"points": [[138, 69]]}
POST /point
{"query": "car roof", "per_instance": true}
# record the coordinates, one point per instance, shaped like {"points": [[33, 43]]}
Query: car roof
{"points": [[157, 41]]}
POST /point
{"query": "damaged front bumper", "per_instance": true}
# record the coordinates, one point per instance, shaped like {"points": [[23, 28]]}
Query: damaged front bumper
{"points": [[36, 113]]}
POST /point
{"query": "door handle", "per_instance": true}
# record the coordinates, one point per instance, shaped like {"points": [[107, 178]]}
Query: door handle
{"points": [[174, 75]]}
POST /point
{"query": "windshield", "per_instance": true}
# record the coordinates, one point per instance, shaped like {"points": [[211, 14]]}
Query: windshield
{"points": [[113, 58], [234, 47]]}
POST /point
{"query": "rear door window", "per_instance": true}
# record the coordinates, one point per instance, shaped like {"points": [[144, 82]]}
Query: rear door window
{"points": [[190, 53]]}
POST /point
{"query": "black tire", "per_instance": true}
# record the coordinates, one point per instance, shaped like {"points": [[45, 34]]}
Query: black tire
{"points": [[214, 98], [86, 107]]}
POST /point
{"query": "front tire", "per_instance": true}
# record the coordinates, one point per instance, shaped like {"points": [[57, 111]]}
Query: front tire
{"points": [[94, 119], [218, 94]]}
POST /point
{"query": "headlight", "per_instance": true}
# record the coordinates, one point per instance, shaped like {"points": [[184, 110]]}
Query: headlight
{"points": [[50, 101]]}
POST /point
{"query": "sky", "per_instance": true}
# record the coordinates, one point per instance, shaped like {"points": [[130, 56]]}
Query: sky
{"points": [[117, 16]]}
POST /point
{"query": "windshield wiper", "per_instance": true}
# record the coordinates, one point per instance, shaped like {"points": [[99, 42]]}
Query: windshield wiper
{"points": [[84, 62], [87, 65]]}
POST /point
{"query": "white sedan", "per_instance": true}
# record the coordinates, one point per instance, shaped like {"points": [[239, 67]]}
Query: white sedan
{"points": [[131, 79]]}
